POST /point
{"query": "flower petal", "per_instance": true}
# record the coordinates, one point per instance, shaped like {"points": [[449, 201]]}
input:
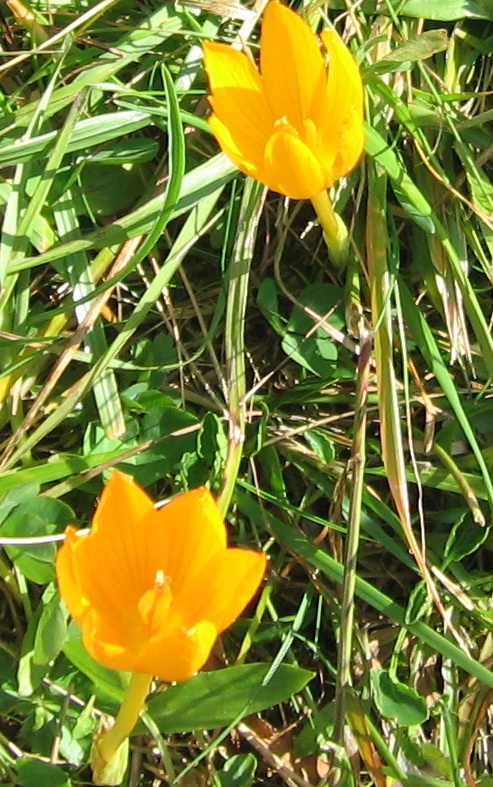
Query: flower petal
{"points": [[137, 581], [193, 531], [291, 168], [227, 584], [177, 654], [68, 575], [228, 67], [121, 498], [340, 123], [105, 644], [107, 593], [292, 66], [117, 535], [114, 559], [240, 152], [241, 120]]}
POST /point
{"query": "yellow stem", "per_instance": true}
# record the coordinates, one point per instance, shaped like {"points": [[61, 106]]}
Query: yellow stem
{"points": [[335, 231], [326, 214], [127, 717]]}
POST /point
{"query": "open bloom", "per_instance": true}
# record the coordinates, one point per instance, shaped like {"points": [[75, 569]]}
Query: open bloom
{"points": [[151, 588], [296, 125]]}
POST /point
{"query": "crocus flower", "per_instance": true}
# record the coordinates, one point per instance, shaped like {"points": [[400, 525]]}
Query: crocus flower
{"points": [[296, 125], [151, 588]]}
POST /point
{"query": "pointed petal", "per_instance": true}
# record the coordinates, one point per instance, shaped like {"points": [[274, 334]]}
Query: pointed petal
{"points": [[243, 155], [194, 531], [291, 168], [68, 577], [105, 644], [228, 67], [118, 544], [177, 654], [292, 66], [104, 587], [241, 122], [341, 134], [227, 584], [122, 498]]}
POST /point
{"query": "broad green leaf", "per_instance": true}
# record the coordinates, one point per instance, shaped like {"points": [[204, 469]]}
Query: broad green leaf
{"points": [[34, 773], [445, 10], [109, 191], [268, 303], [52, 628], [420, 47], [313, 347], [397, 701], [20, 493], [436, 10], [39, 516], [464, 538], [317, 731], [216, 699], [414, 50], [437, 760]]}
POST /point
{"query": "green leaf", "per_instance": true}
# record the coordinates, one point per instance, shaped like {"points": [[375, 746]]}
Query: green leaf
{"points": [[19, 494], [320, 443], [464, 538], [52, 629], [238, 771], [88, 132], [108, 191], [317, 731], [40, 516], [268, 303], [406, 191], [314, 349], [415, 49], [445, 10], [34, 773], [397, 701], [125, 151], [437, 760], [437, 10], [216, 699]]}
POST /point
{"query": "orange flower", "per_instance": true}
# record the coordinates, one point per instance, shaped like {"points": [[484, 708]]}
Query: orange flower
{"points": [[151, 588], [295, 125]]}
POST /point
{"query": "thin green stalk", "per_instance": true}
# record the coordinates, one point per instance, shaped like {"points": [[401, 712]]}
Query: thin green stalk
{"points": [[358, 458], [250, 210]]}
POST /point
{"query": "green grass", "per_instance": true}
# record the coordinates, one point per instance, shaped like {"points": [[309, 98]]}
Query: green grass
{"points": [[162, 315]]}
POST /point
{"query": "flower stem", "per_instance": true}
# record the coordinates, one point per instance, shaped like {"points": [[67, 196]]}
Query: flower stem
{"points": [[335, 231], [109, 744]]}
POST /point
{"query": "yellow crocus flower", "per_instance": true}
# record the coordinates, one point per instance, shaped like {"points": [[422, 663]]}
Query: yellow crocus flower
{"points": [[295, 124]]}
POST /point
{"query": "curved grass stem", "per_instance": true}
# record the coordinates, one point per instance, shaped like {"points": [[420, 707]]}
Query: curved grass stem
{"points": [[251, 207], [358, 457]]}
